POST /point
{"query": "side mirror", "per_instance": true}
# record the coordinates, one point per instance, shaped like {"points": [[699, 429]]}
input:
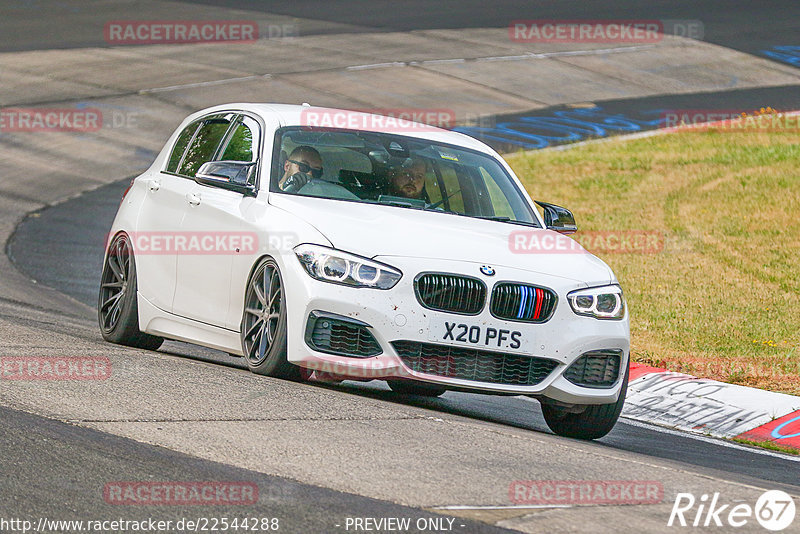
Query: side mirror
{"points": [[230, 175], [559, 219]]}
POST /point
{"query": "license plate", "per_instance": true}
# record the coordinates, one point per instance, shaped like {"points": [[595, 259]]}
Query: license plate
{"points": [[479, 336]]}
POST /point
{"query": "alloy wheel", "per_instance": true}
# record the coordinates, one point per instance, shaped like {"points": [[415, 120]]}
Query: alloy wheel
{"points": [[114, 284], [262, 311]]}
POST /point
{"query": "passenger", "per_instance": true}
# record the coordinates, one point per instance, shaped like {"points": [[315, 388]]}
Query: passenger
{"points": [[408, 180], [303, 164]]}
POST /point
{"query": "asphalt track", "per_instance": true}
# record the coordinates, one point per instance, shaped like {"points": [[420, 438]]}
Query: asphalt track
{"points": [[739, 24], [80, 462], [55, 469], [75, 232]]}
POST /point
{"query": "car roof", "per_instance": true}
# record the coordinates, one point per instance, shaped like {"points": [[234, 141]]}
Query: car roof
{"points": [[293, 115]]}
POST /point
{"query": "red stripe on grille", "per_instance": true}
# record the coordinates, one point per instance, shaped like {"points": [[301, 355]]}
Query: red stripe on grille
{"points": [[539, 296]]}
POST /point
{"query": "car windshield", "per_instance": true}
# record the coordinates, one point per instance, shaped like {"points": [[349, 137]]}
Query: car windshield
{"points": [[388, 169]]}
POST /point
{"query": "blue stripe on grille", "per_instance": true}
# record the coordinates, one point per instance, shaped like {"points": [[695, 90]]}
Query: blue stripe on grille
{"points": [[523, 298]]}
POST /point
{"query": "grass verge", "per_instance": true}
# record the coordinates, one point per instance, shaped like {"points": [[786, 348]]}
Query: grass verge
{"points": [[721, 299], [770, 445]]}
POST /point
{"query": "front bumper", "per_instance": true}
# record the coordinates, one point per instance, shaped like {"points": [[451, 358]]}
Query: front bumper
{"points": [[396, 315]]}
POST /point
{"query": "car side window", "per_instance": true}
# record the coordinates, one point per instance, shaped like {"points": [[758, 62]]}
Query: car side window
{"points": [[180, 146], [205, 144], [243, 142]]}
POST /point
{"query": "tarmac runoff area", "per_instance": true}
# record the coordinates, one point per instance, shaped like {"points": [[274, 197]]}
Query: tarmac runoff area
{"points": [[361, 445]]}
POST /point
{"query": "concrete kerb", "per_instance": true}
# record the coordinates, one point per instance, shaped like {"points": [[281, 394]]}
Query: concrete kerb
{"points": [[712, 408]]}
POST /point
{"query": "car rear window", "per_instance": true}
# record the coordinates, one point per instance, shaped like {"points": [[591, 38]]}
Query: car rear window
{"points": [[180, 146], [204, 146]]}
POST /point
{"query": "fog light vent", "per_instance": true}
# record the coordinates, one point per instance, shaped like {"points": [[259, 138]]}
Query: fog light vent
{"points": [[340, 335], [595, 369]]}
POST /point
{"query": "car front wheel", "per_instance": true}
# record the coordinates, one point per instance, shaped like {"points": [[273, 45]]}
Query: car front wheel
{"points": [[263, 329], [117, 310], [594, 422]]}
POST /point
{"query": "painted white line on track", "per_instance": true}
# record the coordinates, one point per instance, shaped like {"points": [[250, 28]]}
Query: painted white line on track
{"points": [[377, 65], [596, 51], [204, 84], [517, 57], [509, 58], [545, 55], [408, 64], [439, 61], [499, 507]]}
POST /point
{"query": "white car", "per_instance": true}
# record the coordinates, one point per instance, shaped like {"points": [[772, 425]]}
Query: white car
{"points": [[346, 245]]}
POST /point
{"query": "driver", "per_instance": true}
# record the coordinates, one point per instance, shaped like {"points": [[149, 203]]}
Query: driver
{"points": [[408, 180], [303, 164]]}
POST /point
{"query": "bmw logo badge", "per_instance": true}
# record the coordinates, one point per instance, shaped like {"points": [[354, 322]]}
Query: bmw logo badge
{"points": [[488, 271]]}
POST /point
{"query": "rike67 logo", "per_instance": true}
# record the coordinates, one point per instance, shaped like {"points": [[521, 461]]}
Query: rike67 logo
{"points": [[774, 510]]}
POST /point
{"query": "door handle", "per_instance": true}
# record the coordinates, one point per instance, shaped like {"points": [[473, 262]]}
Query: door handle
{"points": [[154, 185], [193, 198]]}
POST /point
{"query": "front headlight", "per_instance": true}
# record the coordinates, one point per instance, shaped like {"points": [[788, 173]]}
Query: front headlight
{"points": [[338, 267], [604, 302]]}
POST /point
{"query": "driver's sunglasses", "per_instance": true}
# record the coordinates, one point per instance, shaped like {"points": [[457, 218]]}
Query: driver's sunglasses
{"points": [[305, 168]]}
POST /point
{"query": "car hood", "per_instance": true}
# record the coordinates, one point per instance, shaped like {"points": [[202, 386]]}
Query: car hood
{"points": [[371, 230]]}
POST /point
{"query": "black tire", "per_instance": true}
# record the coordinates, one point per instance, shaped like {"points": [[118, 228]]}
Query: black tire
{"points": [[421, 389], [117, 309], [593, 423], [263, 328]]}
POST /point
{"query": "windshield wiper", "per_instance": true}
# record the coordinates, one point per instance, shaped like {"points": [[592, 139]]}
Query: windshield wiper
{"points": [[401, 202], [398, 204], [502, 218]]}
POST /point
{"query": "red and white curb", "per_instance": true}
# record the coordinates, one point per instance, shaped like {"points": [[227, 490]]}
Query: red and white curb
{"points": [[711, 408]]}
